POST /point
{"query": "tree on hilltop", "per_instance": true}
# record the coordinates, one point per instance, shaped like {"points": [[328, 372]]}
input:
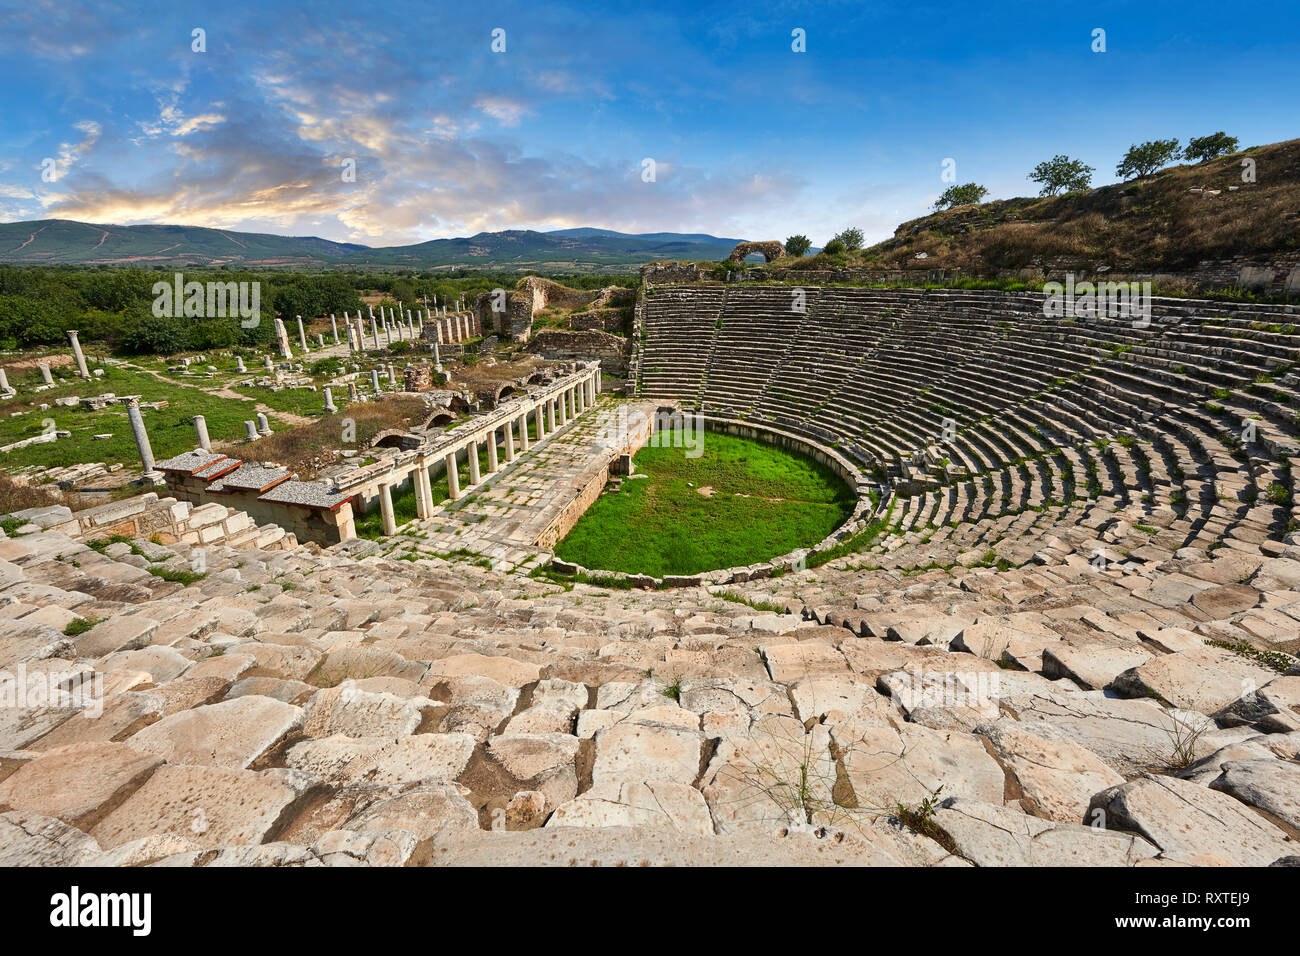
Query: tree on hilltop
{"points": [[851, 238], [1143, 159], [967, 194], [797, 246], [1061, 173], [1202, 149]]}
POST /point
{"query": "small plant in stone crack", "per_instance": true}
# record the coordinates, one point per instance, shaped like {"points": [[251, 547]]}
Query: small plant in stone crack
{"points": [[79, 625], [1184, 735], [673, 690], [799, 771], [920, 817]]}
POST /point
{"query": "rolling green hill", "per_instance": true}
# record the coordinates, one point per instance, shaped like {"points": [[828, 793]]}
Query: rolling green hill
{"points": [[64, 242]]}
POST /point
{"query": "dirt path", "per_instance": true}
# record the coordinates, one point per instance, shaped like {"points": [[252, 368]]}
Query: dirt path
{"points": [[226, 392]]}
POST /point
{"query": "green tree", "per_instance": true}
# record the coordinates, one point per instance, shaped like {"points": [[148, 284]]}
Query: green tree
{"points": [[1202, 149], [1061, 173], [835, 247], [1143, 159], [851, 237], [967, 194], [797, 246]]}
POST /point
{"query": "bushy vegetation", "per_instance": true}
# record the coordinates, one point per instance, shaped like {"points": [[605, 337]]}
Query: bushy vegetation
{"points": [[964, 195], [112, 308], [1143, 159], [1061, 173], [1202, 149], [797, 246]]}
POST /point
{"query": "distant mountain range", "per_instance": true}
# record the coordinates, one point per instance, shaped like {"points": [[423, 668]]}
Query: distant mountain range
{"points": [[65, 242]]}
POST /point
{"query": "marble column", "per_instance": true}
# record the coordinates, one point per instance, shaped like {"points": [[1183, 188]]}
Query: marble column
{"points": [[510, 440], [46, 376], [252, 431], [493, 464], [453, 479], [201, 432], [263, 426], [472, 455], [335, 326], [330, 408], [386, 514], [79, 355], [302, 334], [139, 434], [282, 337], [423, 489]]}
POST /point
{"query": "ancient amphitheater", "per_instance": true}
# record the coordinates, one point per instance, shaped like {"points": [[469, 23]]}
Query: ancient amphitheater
{"points": [[1058, 629]]}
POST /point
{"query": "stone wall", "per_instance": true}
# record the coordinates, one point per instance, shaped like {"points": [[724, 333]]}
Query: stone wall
{"points": [[418, 378], [169, 520], [611, 351], [670, 273], [601, 320], [304, 524], [514, 323], [1276, 275], [593, 482]]}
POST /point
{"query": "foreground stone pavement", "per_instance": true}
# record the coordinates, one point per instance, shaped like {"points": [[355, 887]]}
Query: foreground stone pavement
{"points": [[295, 707]]}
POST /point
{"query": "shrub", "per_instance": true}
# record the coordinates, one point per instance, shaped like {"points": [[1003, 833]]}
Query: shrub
{"points": [[1143, 159], [1061, 173], [1202, 149], [797, 246], [967, 194], [851, 237]]}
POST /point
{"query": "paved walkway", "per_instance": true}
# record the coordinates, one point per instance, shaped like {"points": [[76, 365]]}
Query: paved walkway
{"points": [[501, 518]]}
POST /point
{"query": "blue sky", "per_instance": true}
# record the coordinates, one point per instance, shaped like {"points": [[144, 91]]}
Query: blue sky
{"points": [[749, 138]]}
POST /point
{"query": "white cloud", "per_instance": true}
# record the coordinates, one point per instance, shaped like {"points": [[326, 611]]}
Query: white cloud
{"points": [[505, 111]]}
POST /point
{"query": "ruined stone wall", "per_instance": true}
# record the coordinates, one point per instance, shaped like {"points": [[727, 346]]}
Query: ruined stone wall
{"points": [[770, 251], [515, 323], [670, 273], [418, 378], [177, 519], [303, 524], [602, 320], [611, 351]]}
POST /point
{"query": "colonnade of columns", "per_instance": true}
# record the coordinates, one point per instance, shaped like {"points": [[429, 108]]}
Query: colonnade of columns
{"points": [[549, 414]]}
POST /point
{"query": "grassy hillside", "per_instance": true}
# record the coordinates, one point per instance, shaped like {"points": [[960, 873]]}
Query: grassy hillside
{"points": [[1150, 224], [63, 242]]}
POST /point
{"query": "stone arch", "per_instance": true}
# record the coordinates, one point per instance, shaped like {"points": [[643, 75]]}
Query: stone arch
{"points": [[771, 251], [442, 416], [390, 438]]}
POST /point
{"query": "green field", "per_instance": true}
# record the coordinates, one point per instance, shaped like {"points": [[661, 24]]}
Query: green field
{"points": [[171, 430], [765, 502]]}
